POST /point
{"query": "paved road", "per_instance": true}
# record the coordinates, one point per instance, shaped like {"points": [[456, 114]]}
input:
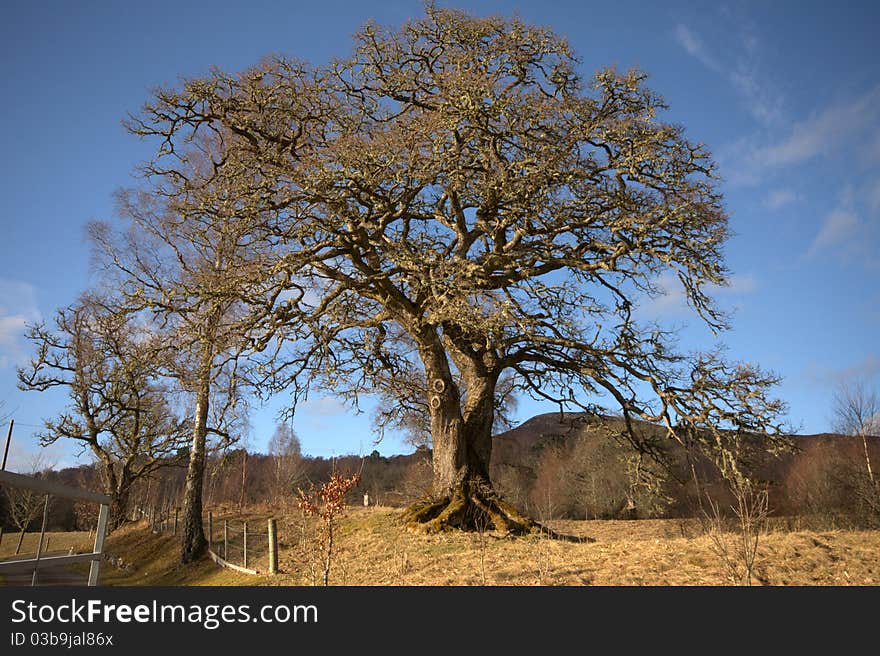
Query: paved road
{"points": [[55, 575]]}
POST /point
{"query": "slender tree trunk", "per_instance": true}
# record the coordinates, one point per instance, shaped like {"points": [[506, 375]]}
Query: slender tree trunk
{"points": [[329, 555], [20, 540], [193, 543], [244, 459], [868, 458]]}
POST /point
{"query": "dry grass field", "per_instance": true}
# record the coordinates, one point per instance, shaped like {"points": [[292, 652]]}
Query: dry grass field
{"points": [[59, 542], [373, 549]]}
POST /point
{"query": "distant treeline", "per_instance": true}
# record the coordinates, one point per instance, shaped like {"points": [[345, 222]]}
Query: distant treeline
{"points": [[239, 478], [548, 468]]}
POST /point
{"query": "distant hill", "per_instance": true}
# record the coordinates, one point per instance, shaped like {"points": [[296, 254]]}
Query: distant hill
{"points": [[552, 426], [557, 451]]}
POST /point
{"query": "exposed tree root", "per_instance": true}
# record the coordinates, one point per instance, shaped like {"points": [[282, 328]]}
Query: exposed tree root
{"points": [[474, 510]]}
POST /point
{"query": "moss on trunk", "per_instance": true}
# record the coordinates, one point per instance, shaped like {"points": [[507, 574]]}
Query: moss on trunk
{"points": [[471, 506], [474, 506]]}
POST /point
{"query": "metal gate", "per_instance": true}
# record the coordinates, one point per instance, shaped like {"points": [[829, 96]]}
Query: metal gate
{"points": [[50, 488]]}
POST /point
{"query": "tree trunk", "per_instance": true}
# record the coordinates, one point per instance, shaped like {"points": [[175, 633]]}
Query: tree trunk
{"points": [[864, 433], [193, 542], [244, 459], [329, 555], [463, 496], [119, 508]]}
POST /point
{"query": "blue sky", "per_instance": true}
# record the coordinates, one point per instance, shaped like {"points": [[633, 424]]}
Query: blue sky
{"points": [[785, 94]]}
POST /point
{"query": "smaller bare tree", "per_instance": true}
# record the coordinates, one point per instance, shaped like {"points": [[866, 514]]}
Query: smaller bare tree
{"points": [[327, 503], [25, 505], [288, 467], [120, 411], [735, 538], [856, 407]]}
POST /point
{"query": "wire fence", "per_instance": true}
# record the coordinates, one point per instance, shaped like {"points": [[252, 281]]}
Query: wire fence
{"points": [[243, 543], [249, 544]]}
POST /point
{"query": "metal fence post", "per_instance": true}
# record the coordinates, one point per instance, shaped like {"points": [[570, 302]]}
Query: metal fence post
{"points": [[42, 557], [100, 533]]}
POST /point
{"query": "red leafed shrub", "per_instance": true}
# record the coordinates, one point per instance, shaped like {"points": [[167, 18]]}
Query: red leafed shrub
{"points": [[327, 502]]}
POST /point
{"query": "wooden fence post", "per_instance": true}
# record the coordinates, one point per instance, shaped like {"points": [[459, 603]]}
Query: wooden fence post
{"points": [[225, 539], [176, 513], [245, 544], [210, 530], [273, 547]]}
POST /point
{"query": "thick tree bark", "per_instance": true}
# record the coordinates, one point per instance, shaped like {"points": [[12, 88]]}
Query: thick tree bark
{"points": [[117, 487], [119, 506], [462, 447], [193, 543]]}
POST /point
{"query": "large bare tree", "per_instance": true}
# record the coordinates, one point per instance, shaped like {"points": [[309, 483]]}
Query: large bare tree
{"points": [[119, 410], [186, 254], [453, 204]]}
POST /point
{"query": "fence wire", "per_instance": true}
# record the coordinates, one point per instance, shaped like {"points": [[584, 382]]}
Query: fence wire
{"points": [[226, 537]]}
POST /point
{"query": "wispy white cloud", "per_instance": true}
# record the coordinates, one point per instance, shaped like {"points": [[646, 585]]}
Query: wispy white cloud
{"points": [[827, 130], [848, 232], [27, 456], [846, 129], [762, 101], [325, 406], [740, 284], [871, 149], [872, 195], [865, 369], [671, 302], [18, 306], [695, 47], [11, 326], [780, 198], [839, 228]]}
